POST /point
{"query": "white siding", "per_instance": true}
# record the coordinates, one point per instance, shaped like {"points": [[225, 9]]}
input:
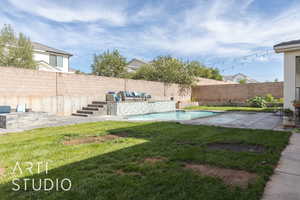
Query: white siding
{"points": [[65, 64], [41, 57], [290, 80]]}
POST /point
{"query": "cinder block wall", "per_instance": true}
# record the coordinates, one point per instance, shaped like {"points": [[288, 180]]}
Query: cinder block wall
{"points": [[63, 93], [234, 93]]}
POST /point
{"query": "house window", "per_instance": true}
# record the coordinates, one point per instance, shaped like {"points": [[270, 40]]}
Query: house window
{"points": [[56, 61]]}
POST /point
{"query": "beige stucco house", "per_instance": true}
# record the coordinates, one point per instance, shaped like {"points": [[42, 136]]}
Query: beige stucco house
{"points": [[51, 59], [291, 50]]}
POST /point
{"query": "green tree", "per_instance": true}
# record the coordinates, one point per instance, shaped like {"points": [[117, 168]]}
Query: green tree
{"points": [[111, 64], [15, 51], [242, 81], [200, 70], [166, 69], [216, 74]]}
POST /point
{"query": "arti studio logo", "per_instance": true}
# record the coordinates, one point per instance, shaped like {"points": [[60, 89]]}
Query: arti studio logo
{"points": [[29, 184]]}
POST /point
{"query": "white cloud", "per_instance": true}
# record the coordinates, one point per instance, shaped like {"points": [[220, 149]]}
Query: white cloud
{"points": [[223, 28], [213, 28], [109, 11]]}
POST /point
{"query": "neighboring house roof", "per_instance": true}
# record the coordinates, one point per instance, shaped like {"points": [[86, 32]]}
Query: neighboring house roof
{"points": [[237, 77], [292, 45], [42, 47], [134, 64], [136, 61]]}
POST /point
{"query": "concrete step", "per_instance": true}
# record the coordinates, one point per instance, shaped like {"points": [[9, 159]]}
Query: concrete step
{"points": [[96, 105], [91, 108], [99, 102], [80, 115], [85, 112]]}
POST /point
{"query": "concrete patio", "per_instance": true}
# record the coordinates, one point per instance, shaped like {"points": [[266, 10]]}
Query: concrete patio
{"points": [[43, 120], [252, 120]]}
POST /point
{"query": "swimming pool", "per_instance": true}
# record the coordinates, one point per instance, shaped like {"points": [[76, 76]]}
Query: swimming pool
{"points": [[175, 115]]}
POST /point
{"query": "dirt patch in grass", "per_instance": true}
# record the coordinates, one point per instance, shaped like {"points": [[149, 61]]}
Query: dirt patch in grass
{"points": [[121, 172], [2, 170], [231, 177], [153, 160], [188, 143], [236, 147], [94, 139]]}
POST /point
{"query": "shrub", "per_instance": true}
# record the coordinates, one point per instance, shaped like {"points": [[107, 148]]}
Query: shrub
{"points": [[280, 100], [270, 99], [257, 101]]}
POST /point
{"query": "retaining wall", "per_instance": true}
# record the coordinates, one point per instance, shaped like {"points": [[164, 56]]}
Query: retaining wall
{"points": [[63, 93]]}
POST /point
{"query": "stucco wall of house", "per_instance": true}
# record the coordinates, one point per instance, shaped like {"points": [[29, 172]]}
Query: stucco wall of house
{"points": [[40, 56], [65, 64], [43, 56]]}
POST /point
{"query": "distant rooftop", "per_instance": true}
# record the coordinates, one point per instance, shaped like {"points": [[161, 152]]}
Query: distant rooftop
{"points": [[42, 47], [239, 76], [135, 60]]}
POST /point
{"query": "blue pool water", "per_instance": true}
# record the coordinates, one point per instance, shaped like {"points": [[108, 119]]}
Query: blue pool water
{"points": [[176, 115]]}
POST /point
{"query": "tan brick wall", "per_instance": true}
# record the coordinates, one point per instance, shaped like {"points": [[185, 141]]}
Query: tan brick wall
{"points": [[235, 93], [74, 84], [65, 93], [21, 82]]}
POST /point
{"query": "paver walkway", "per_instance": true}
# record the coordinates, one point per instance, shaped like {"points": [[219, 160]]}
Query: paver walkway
{"points": [[285, 183]]}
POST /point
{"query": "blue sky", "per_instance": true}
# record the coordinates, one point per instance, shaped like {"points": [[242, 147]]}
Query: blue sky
{"points": [[231, 35]]}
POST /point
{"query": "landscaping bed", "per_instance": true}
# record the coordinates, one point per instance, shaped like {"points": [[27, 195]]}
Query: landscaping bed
{"points": [[125, 160]]}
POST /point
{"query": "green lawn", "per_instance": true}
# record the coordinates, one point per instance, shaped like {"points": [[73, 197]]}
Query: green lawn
{"points": [[94, 169], [232, 108]]}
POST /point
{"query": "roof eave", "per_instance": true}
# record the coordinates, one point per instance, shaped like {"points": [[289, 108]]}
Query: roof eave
{"points": [[66, 54], [285, 48]]}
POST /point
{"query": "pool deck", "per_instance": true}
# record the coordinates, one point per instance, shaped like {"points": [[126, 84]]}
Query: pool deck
{"points": [[54, 121], [237, 119]]}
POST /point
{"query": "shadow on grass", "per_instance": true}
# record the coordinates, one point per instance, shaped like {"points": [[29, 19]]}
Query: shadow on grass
{"points": [[124, 174]]}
